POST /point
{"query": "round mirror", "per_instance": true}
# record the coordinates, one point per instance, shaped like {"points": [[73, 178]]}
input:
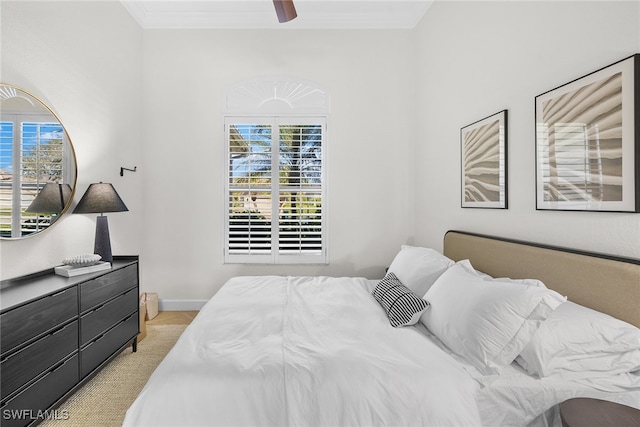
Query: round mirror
{"points": [[37, 165]]}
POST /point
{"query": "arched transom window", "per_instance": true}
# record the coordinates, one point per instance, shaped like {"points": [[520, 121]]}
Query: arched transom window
{"points": [[275, 133]]}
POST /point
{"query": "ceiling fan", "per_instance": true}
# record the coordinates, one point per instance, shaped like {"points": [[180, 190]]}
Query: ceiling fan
{"points": [[285, 10]]}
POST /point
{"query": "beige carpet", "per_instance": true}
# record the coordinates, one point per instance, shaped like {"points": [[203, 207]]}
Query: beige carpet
{"points": [[103, 401]]}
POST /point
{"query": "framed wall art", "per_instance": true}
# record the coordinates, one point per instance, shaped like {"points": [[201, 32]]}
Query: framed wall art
{"points": [[588, 142], [484, 162]]}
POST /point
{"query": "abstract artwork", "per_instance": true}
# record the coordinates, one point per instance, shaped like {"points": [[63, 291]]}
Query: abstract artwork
{"points": [[587, 142], [484, 162]]}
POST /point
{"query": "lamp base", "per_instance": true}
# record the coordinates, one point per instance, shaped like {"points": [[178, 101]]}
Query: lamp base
{"points": [[102, 244]]}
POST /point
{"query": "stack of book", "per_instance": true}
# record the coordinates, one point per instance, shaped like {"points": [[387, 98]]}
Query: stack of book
{"points": [[73, 270]]}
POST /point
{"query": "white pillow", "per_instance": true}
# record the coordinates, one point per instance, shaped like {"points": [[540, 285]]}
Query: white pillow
{"points": [[578, 342], [403, 307], [417, 268], [529, 282], [487, 321]]}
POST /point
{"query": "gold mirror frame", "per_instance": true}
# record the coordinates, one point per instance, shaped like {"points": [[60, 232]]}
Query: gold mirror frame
{"points": [[31, 128]]}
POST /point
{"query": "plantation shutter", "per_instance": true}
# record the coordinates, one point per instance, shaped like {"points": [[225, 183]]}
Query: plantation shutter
{"points": [[275, 190], [31, 155], [41, 162], [249, 193]]}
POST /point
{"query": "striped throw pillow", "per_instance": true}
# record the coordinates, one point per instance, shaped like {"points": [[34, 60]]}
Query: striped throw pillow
{"points": [[402, 306]]}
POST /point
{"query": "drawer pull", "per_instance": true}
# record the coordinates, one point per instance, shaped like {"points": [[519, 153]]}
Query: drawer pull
{"points": [[58, 293], [57, 331], [55, 368], [97, 308]]}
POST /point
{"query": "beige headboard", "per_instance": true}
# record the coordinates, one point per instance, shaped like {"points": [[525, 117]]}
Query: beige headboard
{"points": [[605, 283]]}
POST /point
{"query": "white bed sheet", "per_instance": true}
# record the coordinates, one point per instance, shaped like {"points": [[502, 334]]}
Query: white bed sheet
{"points": [[524, 400], [515, 398], [273, 350]]}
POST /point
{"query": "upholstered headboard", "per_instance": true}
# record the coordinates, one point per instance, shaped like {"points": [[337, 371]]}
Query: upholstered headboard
{"points": [[605, 283]]}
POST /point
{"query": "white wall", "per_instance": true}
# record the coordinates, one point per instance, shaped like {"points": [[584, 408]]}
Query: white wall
{"points": [[152, 99], [100, 72], [477, 58], [369, 76], [84, 59]]}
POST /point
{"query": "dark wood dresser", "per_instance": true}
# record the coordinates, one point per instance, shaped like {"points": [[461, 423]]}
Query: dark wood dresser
{"points": [[57, 332]]}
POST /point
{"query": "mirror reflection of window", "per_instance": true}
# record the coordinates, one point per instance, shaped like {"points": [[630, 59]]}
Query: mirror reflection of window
{"points": [[34, 151], [31, 155]]}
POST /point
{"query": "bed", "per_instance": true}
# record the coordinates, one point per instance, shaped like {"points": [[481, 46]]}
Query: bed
{"points": [[425, 345]]}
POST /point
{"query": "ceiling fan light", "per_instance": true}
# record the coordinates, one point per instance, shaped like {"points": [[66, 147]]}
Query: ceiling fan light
{"points": [[285, 10]]}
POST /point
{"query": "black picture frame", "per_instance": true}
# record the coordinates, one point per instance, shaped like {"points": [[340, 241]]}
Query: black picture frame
{"points": [[588, 142], [484, 174]]}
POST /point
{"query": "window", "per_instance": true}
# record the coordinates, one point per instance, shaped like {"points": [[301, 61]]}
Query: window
{"points": [[275, 190], [31, 154]]}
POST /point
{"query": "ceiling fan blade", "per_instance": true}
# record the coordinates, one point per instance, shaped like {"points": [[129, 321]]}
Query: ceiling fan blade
{"points": [[285, 10]]}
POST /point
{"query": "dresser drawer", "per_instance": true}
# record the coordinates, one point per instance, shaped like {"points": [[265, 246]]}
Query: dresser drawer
{"points": [[26, 364], [26, 322], [23, 408], [103, 347], [97, 291], [105, 316]]}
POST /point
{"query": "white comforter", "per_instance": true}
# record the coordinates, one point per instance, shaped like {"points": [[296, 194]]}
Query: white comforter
{"points": [[298, 351]]}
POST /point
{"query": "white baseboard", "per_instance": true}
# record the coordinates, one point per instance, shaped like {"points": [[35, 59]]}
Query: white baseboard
{"points": [[181, 304]]}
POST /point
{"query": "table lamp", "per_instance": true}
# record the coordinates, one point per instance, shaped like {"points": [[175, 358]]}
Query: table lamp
{"points": [[52, 199], [101, 198]]}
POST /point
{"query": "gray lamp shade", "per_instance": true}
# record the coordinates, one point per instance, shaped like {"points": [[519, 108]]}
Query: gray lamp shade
{"points": [[100, 198], [52, 198]]}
